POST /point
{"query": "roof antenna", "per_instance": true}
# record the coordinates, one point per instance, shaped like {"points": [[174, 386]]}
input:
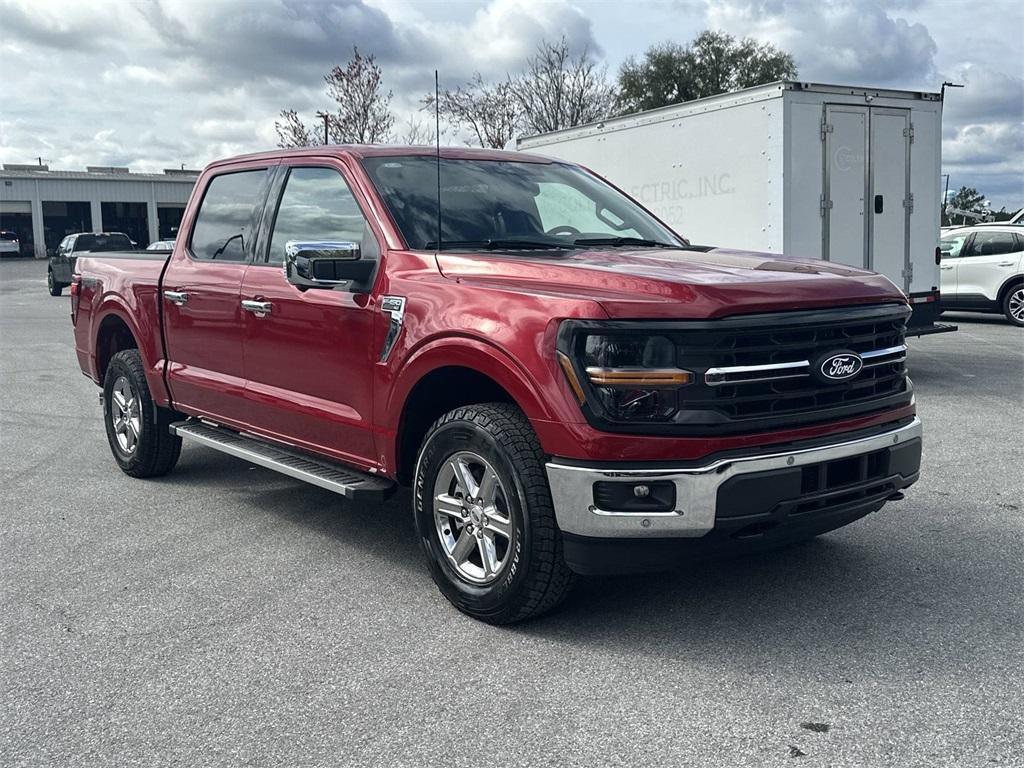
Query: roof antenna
{"points": [[437, 147]]}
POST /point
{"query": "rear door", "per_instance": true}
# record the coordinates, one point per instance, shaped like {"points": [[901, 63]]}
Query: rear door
{"points": [[889, 181], [309, 353], [845, 185], [866, 204], [203, 322]]}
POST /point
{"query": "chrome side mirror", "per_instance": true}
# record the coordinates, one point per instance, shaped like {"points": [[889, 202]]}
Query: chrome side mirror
{"points": [[326, 264]]}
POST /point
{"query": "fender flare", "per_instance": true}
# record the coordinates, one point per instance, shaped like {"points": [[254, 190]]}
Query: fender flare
{"points": [[466, 352]]}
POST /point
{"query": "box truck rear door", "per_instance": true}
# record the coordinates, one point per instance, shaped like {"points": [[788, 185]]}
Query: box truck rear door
{"points": [[889, 211], [846, 184]]}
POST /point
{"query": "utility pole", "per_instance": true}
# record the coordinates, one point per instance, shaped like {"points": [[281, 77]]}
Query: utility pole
{"points": [[326, 118]]}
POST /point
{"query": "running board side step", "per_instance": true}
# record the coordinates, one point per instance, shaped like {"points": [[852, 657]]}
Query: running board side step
{"points": [[350, 483]]}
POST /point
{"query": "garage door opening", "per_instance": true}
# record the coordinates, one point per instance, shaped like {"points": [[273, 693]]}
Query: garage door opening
{"points": [[169, 220], [129, 218], [64, 218], [16, 217]]}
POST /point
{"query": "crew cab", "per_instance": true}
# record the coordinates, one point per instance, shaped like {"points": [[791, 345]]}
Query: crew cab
{"points": [[567, 386]]}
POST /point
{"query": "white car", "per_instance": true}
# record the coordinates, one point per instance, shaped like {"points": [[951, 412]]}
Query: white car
{"points": [[9, 245], [982, 270]]}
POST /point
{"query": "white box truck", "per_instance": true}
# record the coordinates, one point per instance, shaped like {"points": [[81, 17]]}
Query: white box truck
{"points": [[849, 175]]}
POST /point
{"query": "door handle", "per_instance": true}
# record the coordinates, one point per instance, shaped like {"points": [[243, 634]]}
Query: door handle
{"points": [[258, 308], [176, 297], [879, 204], [1007, 263], [945, 267]]}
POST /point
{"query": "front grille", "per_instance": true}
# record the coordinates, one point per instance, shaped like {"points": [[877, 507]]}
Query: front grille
{"points": [[780, 356], [754, 373]]}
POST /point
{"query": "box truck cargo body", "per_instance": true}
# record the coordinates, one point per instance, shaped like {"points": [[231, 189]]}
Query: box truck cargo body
{"points": [[849, 175]]}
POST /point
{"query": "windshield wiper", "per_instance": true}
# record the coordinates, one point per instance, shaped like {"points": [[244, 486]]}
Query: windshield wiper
{"points": [[637, 241], [497, 244]]}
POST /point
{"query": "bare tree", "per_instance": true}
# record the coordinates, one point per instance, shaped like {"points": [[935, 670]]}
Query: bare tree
{"points": [[489, 111], [364, 110], [292, 132], [560, 89], [416, 132], [363, 114]]}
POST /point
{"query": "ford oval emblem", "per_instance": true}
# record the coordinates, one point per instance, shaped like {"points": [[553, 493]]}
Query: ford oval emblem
{"points": [[839, 366]]}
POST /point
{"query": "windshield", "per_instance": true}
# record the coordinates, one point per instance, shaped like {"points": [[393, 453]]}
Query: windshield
{"points": [[509, 205], [111, 242], [5, 235]]}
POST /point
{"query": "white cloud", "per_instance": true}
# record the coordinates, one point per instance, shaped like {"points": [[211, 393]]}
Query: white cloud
{"points": [[166, 82]]}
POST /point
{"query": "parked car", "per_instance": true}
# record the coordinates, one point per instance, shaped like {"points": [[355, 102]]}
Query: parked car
{"points": [[62, 263], [983, 270], [161, 245], [568, 386], [9, 243]]}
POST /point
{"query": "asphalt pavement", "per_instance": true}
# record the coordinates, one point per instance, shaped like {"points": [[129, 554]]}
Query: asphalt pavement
{"points": [[227, 615]]}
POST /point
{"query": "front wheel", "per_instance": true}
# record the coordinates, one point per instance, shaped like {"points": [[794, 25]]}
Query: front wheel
{"points": [[52, 285], [484, 516], [137, 430], [1013, 304]]}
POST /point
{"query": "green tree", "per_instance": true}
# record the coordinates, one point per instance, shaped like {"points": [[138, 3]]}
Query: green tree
{"points": [[966, 199], [713, 63]]}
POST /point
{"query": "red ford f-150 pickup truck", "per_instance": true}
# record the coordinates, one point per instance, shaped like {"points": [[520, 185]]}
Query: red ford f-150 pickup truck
{"points": [[567, 385]]}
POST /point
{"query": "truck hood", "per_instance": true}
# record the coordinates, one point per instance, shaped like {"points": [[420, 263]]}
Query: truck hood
{"points": [[672, 283]]}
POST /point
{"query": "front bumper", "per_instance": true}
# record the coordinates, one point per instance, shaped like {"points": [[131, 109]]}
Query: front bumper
{"points": [[745, 497]]}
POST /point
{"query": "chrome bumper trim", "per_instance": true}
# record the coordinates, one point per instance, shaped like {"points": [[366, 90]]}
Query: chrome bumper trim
{"points": [[696, 488]]}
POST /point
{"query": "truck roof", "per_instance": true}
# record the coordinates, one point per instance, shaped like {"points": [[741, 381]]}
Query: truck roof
{"points": [[389, 150]]}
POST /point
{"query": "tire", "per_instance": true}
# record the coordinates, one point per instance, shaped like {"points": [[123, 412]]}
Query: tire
{"points": [[528, 573], [1013, 304], [52, 285], [137, 430]]}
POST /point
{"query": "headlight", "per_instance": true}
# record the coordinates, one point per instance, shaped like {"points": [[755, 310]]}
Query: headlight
{"points": [[632, 377]]}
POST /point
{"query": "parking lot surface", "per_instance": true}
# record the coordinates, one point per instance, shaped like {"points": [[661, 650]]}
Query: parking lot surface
{"points": [[227, 615]]}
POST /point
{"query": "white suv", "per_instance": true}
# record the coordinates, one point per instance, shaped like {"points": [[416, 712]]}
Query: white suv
{"points": [[983, 270]]}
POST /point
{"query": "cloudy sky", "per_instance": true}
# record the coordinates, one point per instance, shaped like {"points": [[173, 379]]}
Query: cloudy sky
{"points": [[155, 84]]}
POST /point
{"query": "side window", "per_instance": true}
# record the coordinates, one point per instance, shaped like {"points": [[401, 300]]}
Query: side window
{"points": [[317, 204], [991, 244], [562, 206], [951, 245], [227, 216]]}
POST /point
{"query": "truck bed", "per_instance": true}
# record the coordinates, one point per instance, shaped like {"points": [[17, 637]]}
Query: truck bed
{"points": [[128, 282]]}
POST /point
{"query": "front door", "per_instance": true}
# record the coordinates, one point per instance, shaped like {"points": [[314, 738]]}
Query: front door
{"points": [[203, 321], [309, 356]]}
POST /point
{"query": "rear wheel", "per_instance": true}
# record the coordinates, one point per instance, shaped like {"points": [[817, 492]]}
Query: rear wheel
{"points": [[1013, 304], [137, 430], [52, 285], [484, 516]]}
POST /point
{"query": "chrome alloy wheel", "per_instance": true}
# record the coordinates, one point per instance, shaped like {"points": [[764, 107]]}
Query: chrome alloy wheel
{"points": [[125, 415], [472, 518], [1016, 304]]}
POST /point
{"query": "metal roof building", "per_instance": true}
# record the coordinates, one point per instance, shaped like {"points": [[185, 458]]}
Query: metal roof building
{"points": [[42, 206]]}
